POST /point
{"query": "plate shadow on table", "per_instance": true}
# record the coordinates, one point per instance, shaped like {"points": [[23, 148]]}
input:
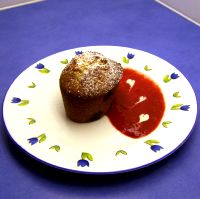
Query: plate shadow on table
{"points": [[58, 176]]}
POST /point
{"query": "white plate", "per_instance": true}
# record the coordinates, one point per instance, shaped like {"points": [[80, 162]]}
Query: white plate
{"points": [[96, 147]]}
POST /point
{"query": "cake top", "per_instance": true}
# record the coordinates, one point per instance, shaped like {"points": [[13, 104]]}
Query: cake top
{"points": [[90, 74]]}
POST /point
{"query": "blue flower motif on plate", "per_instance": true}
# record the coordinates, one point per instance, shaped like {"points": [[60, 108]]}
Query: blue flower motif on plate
{"points": [[83, 163], [33, 140], [78, 52], [174, 76], [15, 100], [167, 78], [127, 58], [130, 56], [180, 107], [156, 148], [185, 107], [39, 66], [19, 101]]}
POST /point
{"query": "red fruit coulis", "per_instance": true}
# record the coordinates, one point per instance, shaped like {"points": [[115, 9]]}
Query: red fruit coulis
{"points": [[138, 105]]}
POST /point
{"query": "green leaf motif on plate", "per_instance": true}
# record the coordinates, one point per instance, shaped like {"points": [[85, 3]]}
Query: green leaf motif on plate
{"points": [[31, 121], [147, 68], [151, 142], [121, 152], [42, 138], [23, 103], [65, 61], [44, 70], [165, 124], [125, 60], [166, 78], [32, 85], [88, 156], [55, 147], [176, 94]]}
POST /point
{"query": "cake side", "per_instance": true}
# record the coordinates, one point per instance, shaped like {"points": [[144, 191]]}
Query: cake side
{"points": [[87, 86]]}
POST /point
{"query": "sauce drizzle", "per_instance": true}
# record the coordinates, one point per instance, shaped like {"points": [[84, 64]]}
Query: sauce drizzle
{"points": [[138, 105]]}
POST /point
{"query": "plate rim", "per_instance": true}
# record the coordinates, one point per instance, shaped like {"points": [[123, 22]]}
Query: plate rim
{"points": [[98, 172]]}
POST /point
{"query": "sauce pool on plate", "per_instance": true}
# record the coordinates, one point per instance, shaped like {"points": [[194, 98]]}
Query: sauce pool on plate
{"points": [[138, 105]]}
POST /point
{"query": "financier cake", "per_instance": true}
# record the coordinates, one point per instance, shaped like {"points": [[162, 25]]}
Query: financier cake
{"points": [[87, 85]]}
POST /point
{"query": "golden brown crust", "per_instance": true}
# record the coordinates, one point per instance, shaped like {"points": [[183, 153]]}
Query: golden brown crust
{"points": [[89, 75]]}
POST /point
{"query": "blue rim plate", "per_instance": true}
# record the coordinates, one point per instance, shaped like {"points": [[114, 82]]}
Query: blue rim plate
{"points": [[35, 119]]}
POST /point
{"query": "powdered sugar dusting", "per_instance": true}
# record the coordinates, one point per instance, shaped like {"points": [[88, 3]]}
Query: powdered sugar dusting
{"points": [[90, 74]]}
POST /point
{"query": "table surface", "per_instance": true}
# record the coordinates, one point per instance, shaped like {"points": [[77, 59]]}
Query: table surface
{"points": [[32, 32]]}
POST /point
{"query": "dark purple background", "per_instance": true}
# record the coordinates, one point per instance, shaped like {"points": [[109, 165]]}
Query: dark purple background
{"points": [[32, 32]]}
